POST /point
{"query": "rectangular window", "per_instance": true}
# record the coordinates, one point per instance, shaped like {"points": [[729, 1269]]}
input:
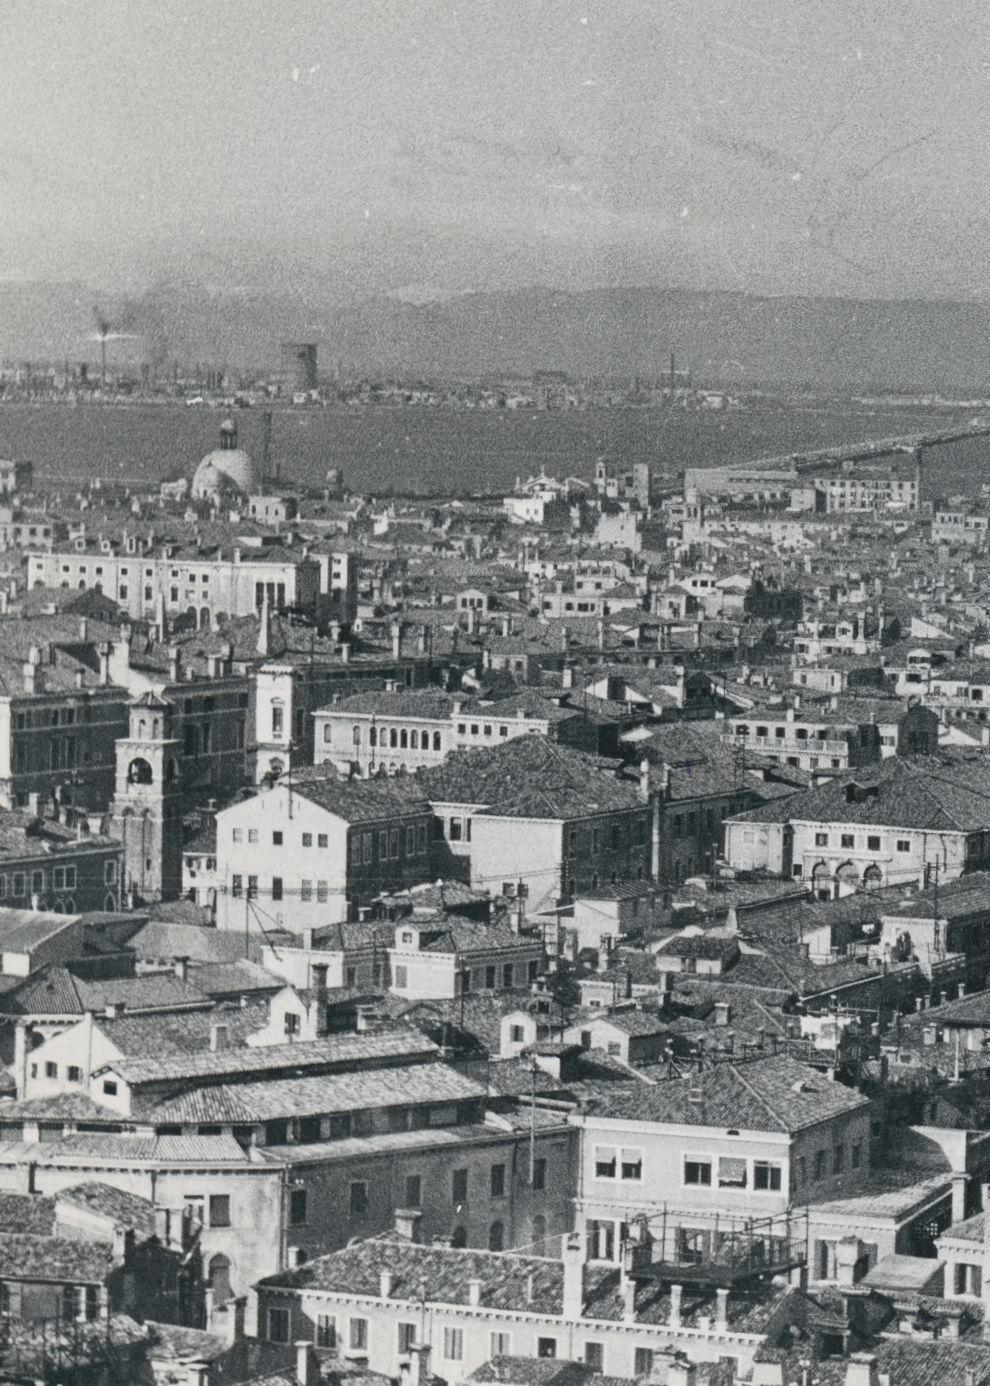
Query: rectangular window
{"points": [[453, 1344], [51, 1070], [539, 1174], [110, 1087], [252, 834], [359, 1198], [642, 1361], [306, 890], [508, 976], [276, 839], [368, 847], [732, 1173], [414, 1190], [325, 1335], [297, 1207], [252, 887], [698, 1172], [219, 1210], [276, 887], [237, 886], [847, 839], [393, 844], [546, 1347], [631, 1164], [766, 1176], [821, 839], [498, 1181], [820, 1164], [838, 1159], [605, 1162], [322, 840], [459, 1186], [278, 1325], [307, 839], [594, 1357], [903, 845], [400, 978], [405, 1338], [74, 1074], [358, 1334], [500, 1345], [856, 1154], [873, 844]]}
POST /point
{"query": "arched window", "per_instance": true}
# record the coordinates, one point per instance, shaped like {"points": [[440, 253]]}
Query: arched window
{"points": [[873, 877], [110, 904], [393, 737], [219, 1278], [459, 1236], [356, 736], [403, 740], [70, 906], [372, 735], [496, 1237], [414, 740], [437, 744], [139, 772]]}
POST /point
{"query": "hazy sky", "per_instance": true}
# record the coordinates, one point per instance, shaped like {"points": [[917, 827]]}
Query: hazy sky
{"points": [[424, 146]]}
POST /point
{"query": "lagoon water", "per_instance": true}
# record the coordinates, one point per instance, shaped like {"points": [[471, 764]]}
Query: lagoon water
{"points": [[420, 450]]}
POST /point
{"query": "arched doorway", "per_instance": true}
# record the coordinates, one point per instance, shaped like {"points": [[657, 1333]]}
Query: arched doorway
{"points": [[873, 877], [821, 881]]}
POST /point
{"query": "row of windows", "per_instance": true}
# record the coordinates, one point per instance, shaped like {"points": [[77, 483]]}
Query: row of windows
{"points": [[395, 738], [873, 841], [278, 838], [733, 1173], [579, 840], [362, 844], [73, 1073], [482, 979], [15, 885]]}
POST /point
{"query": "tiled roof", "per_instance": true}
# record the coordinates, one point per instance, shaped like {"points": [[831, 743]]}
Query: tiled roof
{"points": [[167, 940], [125, 1149], [932, 793], [28, 1214], [182, 1032], [770, 1094], [334, 1051], [530, 777], [334, 1092], [428, 703], [54, 1259], [123, 1208], [238, 976], [510, 1282], [58, 991], [363, 801]]}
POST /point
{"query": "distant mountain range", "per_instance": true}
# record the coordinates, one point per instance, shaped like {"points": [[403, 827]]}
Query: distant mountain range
{"points": [[720, 336]]}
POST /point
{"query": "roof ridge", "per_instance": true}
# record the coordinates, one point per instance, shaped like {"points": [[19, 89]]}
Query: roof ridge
{"points": [[755, 1093]]}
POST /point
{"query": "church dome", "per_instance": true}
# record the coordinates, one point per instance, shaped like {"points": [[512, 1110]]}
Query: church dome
{"points": [[228, 467]]}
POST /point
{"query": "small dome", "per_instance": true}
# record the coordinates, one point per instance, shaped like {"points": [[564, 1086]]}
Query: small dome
{"points": [[233, 465]]}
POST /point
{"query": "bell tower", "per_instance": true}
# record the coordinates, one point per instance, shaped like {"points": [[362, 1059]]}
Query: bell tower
{"points": [[146, 813]]}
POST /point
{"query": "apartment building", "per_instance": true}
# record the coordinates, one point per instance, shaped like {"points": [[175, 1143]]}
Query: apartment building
{"points": [[397, 1307], [538, 820], [313, 852], [899, 822], [51, 864], [701, 1156], [189, 578], [443, 957], [809, 738]]}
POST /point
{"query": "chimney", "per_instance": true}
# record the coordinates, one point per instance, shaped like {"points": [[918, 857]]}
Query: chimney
{"points": [[396, 632], [723, 1012], [307, 1366], [114, 1010], [567, 676], [721, 1309], [572, 1255], [420, 1374], [180, 966], [407, 1222], [219, 1037], [385, 1284], [345, 652], [162, 1226], [474, 1291], [83, 629], [675, 1305], [174, 664], [105, 649], [644, 781], [861, 1370]]}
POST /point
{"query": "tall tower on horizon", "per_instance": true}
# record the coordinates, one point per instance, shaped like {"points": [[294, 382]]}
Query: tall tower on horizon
{"points": [[146, 813]]}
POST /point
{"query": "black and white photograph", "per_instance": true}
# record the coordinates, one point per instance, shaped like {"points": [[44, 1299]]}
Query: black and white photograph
{"points": [[494, 693]]}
